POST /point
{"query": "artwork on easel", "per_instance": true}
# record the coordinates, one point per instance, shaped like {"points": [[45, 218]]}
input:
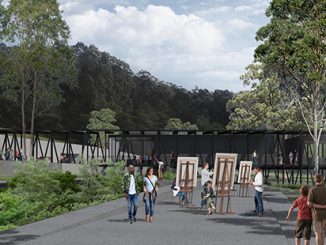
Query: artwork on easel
{"points": [[228, 161], [244, 177], [187, 172], [223, 178], [244, 172]]}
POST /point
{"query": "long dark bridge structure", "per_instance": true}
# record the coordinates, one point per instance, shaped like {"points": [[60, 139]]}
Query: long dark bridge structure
{"points": [[287, 155]]}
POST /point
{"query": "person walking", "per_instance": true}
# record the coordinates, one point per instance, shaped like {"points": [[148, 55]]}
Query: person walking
{"points": [[205, 175], [258, 184], [304, 221], [150, 194], [317, 202], [132, 184]]}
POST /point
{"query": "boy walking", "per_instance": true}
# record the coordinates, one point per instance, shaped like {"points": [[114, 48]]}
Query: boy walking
{"points": [[304, 219]]}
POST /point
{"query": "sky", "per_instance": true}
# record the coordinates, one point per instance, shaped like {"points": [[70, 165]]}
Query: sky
{"points": [[203, 43]]}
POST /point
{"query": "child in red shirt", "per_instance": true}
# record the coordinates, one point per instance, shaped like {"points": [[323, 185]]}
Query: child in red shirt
{"points": [[304, 219]]}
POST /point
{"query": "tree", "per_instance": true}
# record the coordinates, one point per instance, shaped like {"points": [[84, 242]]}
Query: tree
{"points": [[38, 60], [293, 49], [176, 124], [104, 120], [264, 106]]}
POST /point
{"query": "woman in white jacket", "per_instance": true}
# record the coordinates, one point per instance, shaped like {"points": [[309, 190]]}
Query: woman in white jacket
{"points": [[205, 174]]}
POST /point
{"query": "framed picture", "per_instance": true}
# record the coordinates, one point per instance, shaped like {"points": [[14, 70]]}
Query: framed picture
{"points": [[225, 163], [187, 172], [244, 172]]}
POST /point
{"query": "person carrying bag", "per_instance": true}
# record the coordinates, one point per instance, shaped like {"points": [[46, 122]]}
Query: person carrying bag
{"points": [[150, 194]]}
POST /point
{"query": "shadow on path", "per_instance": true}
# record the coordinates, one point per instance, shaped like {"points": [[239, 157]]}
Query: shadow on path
{"points": [[12, 237]]}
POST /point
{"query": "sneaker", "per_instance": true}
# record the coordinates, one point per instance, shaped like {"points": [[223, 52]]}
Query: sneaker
{"points": [[130, 221], [260, 214], [134, 219]]}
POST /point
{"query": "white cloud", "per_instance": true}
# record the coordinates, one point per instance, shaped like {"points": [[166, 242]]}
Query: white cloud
{"points": [[207, 48], [239, 24], [158, 28], [254, 7]]}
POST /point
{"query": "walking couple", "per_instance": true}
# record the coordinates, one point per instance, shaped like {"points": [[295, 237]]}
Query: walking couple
{"points": [[132, 185]]}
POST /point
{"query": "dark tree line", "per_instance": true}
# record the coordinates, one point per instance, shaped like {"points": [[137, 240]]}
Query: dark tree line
{"points": [[140, 100]]}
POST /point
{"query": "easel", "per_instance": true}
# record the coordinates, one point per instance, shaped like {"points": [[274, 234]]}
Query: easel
{"points": [[187, 188], [223, 187], [244, 180]]}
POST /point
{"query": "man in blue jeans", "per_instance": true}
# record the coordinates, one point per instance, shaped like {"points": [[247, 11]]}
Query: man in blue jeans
{"points": [[131, 185], [258, 184]]}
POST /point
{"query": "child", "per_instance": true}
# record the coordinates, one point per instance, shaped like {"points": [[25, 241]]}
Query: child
{"points": [[176, 190], [304, 220], [208, 195]]}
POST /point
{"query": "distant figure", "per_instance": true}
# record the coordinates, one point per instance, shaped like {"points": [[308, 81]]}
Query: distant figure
{"points": [[19, 155], [7, 154], [254, 157], [160, 170], [173, 163], [63, 158], [291, 158], [304, 221], [12, 155]]}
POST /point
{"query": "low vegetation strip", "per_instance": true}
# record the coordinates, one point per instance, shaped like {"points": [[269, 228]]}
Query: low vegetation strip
{"points": [[37, 192]]}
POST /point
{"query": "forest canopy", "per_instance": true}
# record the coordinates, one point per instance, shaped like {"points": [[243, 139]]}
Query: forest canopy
{"points": [[140, 100]]}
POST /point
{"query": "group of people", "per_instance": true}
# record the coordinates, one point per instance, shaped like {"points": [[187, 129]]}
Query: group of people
{"points": [[133, 184], [10, 155], [312, 212], [311, 203]]}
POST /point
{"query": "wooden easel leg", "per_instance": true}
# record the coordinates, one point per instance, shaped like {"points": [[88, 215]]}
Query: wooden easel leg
{"points": [[228, 208], [221, 205], [216, 203]]}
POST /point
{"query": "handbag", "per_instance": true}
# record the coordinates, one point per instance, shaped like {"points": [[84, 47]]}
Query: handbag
{"points": [[144, 197]]}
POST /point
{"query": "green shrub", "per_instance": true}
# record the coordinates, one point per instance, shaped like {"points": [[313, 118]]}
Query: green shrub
{"points": [[7, 227], [37, 192], [12, 209], [112, 179], [169, 175], [67, 181], [91, 184]]}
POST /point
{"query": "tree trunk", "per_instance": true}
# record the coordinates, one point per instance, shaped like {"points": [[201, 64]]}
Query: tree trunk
{"points": [[23, 117], [33, 119], [316, 142]]}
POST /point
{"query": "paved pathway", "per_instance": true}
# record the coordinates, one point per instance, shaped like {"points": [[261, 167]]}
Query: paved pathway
{"points": [[108, 224]]}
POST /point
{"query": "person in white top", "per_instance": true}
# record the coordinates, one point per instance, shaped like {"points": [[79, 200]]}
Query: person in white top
{"points": [[160, 169], [131, 186], [259, 189], [150, 194], [205, 174]]}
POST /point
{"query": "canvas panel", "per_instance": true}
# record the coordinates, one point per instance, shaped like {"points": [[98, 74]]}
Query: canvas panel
{"points": [[182, 173]]}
